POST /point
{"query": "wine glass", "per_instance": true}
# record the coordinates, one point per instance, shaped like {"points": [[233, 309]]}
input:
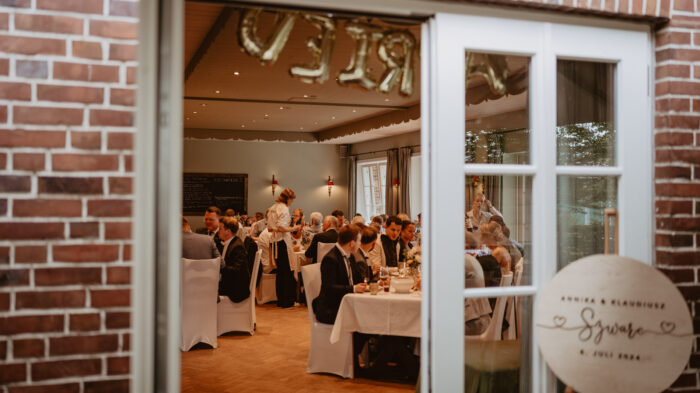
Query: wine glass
{"points": [[383, 277]]}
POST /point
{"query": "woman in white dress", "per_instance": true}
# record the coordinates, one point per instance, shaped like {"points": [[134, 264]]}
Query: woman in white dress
{"points": [[281, 247]]}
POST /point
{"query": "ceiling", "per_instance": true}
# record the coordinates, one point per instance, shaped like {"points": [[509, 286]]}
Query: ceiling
{"points": [[226, 89]]}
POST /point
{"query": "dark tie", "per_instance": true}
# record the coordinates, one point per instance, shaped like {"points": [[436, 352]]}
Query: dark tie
{"points": [[347, 267]]}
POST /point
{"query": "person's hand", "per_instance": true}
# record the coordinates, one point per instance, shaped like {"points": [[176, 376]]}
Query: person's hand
{"points": [[360, 288], [375, 268], [488, 204]]}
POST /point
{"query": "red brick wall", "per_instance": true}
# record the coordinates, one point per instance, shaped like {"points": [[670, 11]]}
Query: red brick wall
{"points": [[677, 166], [66, 133]]}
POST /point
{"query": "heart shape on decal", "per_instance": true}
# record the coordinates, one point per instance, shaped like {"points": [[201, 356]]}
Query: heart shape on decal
{"points": [[559, 321], [667, 327]]}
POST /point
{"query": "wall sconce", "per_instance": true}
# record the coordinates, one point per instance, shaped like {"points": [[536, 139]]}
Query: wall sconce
{"points": [[274, 184], [330, 186]]}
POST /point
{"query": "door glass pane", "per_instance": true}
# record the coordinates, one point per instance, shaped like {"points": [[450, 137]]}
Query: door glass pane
{"points": [[581, 204], [497, 128], [585, 113], [498, 224], [498, 359]]}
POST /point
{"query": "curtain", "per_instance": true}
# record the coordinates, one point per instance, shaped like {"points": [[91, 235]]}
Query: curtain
{"points": [[392, 172], [352, 186], [404, 169]]}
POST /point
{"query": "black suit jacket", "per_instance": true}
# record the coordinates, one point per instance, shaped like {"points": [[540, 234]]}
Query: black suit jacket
{"points": [[329, 236], [389, 247], [334, 285], [360, 262], [235, 277], [217, 240]]}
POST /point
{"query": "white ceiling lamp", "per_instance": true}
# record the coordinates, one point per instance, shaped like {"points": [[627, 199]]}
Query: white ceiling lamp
{"points": [[217, 91], [236, 73]]}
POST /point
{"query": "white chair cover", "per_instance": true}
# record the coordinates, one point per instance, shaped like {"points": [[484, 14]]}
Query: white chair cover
{"points": [[200, 286], [493, 332], [322, 250], [239, 317], [324, 357], [512, 307], [266, 291]]}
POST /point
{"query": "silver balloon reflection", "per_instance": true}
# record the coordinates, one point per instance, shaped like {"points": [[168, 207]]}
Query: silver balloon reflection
{"points": [[493, 68], [357, 74], [398, 66], [321, 48], [268, 51]]}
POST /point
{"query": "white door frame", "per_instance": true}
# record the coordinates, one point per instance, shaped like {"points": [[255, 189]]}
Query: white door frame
{"points": [[158, 178]]}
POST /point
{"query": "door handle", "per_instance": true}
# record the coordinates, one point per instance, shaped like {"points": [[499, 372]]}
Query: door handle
{"points": [[611, 212]]}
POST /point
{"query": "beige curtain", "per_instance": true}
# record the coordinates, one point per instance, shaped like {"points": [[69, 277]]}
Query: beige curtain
{"points": [[404, 169], [352, 186], [392, 173]]}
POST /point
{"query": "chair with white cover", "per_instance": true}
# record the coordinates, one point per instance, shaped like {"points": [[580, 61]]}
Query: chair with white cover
{"points": [[239, 317], [200, 286], [324, 357], [493, 331], [322, 250], [266, 291], [512, 307]]}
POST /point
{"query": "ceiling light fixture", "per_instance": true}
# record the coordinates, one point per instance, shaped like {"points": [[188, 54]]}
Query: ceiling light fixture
{"points": [[354, 111], [195, 112], [301, 128], [281, 107], [387, 100], [217, 91], [306, 96], [242, 125], [333, 117], [236, 73], [203, 104]]}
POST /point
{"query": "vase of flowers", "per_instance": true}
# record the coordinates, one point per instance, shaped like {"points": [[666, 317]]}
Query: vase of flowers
{"points": [[413, 259]]}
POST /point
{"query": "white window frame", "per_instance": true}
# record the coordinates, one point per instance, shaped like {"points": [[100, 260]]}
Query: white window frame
{"points": [[545, 42], [158, 163], [359, 178]]}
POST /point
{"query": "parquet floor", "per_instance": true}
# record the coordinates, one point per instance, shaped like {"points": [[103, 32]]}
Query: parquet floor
{"points": [[272, 360]]}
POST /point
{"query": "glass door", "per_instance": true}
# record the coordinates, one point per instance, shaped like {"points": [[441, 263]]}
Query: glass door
{"points": [[533, 129]]}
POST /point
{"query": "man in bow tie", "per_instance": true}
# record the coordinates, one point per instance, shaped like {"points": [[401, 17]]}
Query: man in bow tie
{"points": [[211, 226]]}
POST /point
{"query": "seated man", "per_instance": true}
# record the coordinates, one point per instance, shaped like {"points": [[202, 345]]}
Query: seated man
{"points": [[368, 239], [390, 241], [235, 277], [329, 235], [197, 246], [211, 226], [476, 310], [338, 275]]}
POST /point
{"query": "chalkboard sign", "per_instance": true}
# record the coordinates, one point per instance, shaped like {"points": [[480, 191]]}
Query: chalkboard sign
{"points": [[223, 190]]}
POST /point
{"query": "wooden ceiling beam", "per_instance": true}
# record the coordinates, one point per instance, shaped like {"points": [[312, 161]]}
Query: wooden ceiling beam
{"points": [[213, 32]]}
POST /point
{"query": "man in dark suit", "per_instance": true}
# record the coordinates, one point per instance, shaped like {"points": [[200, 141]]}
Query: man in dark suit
{"points": [[196, 246], [211, 226], [338, 275], [235, 277], [368, 238], [390, 241], [329, 235]]}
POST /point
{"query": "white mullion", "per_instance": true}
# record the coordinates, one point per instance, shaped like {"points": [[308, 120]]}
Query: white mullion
{"points": [[497, 169], [525, 290], [589, 170], [544, 142]]}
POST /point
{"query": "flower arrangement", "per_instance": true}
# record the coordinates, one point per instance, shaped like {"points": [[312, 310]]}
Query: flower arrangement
{"points": [[413, 257], [476, 180]]}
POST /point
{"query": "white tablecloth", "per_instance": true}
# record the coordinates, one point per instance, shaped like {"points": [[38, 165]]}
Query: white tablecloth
{"points": [[297, 262], [386, 313]]}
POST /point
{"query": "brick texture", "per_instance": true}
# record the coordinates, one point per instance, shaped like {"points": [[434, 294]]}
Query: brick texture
{"points": [[67, 108], [677, 169]]}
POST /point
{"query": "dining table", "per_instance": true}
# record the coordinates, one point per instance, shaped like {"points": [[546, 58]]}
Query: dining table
{"points": [[386, 313]]}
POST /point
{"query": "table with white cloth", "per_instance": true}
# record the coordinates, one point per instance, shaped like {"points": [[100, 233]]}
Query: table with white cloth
{"points": [[297, 262], [386, 313]]}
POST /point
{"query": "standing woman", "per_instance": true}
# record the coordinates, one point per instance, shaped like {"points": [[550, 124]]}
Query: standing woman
{"points": [[281, 247]]}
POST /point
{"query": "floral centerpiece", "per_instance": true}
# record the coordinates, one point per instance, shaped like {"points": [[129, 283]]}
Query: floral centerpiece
{"points": [[413, 258]]}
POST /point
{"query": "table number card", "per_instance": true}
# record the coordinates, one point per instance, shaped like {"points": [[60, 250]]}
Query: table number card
{"points": [[612, 324]]}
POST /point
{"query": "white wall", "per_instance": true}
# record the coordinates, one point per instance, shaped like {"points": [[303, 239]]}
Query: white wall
{"points": [[303, 167]]}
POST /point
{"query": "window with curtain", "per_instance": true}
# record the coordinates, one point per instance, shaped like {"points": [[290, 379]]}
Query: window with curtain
{"points": [[371, 185]]}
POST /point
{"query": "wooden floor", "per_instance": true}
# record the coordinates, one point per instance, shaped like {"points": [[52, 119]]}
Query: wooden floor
{"points": [[272, 360]]}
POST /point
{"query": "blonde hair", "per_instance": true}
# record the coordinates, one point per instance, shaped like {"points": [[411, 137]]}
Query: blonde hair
{"points": [[492, 233], [286, 195]]}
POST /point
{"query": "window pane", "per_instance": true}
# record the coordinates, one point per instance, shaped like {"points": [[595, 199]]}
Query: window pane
{"points": [[585, 113], [499, 248], [493, 361], [497, 129], [581, 203]]}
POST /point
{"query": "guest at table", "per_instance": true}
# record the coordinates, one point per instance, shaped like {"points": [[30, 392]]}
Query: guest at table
{"points": [[358, 219], [390, 241], [408, 231], [235, 277], [476, 310], [298, 220], [513, 250], [492, 237], [314, 228], [266, 263], [278, 224], [329, 235], [489, 264], [338, 275], [259, 225], [340, 216], [197, 246], [368, 239], [211, 226]]}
